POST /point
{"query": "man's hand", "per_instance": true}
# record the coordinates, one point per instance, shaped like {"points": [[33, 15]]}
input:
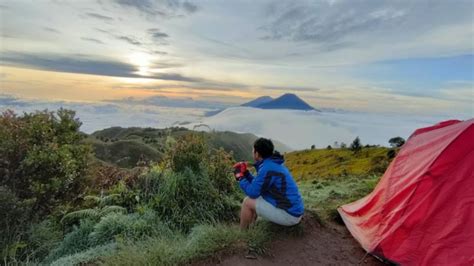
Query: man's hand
{"points": [[240, 170]]}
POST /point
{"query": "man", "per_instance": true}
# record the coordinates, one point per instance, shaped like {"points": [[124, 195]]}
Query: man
{"points": [[272, 194]]}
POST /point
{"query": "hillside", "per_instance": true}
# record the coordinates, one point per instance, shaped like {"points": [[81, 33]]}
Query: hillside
{"points": [[125, 147], [327, 163]]}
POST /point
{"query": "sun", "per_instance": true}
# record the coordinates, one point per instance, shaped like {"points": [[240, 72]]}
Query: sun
{"points": [[141, 61]]}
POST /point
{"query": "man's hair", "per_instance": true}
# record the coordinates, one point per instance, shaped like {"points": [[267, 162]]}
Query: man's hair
{"points": [[264, 147]]}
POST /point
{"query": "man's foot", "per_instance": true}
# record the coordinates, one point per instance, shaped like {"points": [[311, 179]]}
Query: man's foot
{"points": [[251, 255]]}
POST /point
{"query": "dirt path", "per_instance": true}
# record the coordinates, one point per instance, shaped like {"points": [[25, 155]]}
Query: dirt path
{"points": [[329, 245]]}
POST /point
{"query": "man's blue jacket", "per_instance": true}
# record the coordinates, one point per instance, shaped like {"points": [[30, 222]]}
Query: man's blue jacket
{"points": [[275, 184]]}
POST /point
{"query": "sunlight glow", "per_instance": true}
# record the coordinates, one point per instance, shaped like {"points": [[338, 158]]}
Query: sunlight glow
{"points": [[141, 61]]}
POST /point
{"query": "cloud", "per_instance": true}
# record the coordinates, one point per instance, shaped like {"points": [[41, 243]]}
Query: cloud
{"points": [[308, 23], [92, 40], [289, 88], [84, 65], [99, 16], [163, 8], [145, 6], [130, 40], [459, 91], [337, 25], [159, 52], [51, 29], [9, 100], [157, 34], [162, 101], [190, 7]]}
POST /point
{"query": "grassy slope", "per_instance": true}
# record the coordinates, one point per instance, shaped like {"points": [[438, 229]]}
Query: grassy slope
{"points": [[330, 178], [324, 163]]}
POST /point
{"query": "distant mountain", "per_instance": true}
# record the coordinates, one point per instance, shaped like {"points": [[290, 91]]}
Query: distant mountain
{"points": [[259, 101], [286, 101]]}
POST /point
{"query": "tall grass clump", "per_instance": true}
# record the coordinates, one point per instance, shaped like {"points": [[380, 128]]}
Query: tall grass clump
{"points": [[197, 186], [188, 198]]}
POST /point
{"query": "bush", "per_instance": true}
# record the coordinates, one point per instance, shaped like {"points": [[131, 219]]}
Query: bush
{"points": [[188, 198], [396, 142], [187, 152], [148, 184], [391, 154], [44, 237], [109, 229], [379, 164], [130, 227], [75, 241], [14, 222], [219, 169], [42, 158], [356, 146]]}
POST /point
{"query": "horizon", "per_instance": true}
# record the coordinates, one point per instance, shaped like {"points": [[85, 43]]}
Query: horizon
{"points": [[369, 56]]}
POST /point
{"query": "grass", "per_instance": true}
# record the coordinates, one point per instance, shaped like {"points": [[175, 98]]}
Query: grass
{"points": [[203, 242], [323, 163], [325, 196]]}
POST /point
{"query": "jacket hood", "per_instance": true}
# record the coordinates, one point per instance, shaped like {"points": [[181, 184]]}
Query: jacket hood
{"points": [[276, 158]]}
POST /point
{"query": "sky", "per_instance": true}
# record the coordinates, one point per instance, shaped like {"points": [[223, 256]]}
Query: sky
{"points": [[363, 55]]}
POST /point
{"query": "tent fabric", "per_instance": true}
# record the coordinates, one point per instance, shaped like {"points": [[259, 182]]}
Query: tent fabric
{"points": [[422, 210]]}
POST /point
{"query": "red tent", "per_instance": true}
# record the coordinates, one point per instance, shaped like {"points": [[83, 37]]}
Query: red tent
{"points": [[422, 210]]}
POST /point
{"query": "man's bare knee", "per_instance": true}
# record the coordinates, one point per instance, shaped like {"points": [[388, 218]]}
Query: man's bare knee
{"points": [[249, 203]]}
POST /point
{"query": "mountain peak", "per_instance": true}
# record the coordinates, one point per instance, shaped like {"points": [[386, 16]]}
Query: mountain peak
{"points": [[286, 101]]}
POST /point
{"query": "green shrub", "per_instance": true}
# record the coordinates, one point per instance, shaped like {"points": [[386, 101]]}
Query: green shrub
{"points": [[14, 221], [130, 227], [219, 169], [188, 198], [187, 152], [44, 237], [75, 241], [148, 184], [43, 159]]}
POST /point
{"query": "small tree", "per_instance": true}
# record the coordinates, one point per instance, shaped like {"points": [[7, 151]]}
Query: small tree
{"points": [[329, 147], [343, 145], [43, 159], [356, 146], [391, 154], [396, 142], [313, 147]]}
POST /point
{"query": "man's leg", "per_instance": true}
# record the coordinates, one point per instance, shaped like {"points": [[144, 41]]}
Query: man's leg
{"points": [[248, 212]]}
